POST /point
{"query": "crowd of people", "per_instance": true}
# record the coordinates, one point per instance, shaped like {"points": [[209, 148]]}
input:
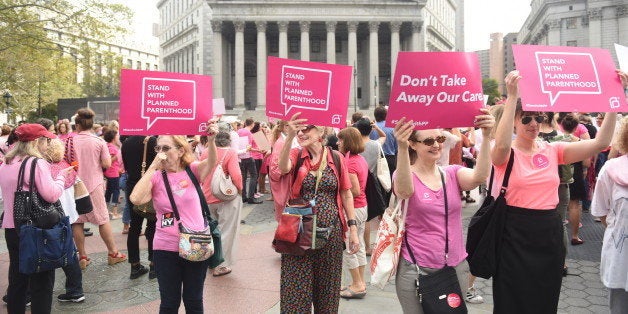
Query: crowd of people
{"points": [[570, 162]]}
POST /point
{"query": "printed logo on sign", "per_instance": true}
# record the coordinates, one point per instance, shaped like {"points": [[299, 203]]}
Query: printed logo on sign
{"points": [[540, 161], [567, 73], [300, 88], [168, 99]]}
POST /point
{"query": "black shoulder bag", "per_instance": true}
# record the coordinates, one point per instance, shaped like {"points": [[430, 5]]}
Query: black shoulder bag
{"points": [[439, 292], [29, 206], [486, 227]]}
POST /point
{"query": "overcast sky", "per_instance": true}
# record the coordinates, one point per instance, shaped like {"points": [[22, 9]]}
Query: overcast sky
{"points": [[483, 17]]}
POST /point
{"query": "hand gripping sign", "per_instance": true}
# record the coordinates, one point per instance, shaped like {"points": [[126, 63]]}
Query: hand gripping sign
{"points": [[152, 102], [436, 89], [319, 90], [565, 79]]}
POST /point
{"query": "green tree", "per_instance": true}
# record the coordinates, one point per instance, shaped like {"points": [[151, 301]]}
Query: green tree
{"points": [[490, 87]]}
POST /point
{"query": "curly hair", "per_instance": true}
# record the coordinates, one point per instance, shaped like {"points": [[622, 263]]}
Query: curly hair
{"points": [[55, 151], [182, 142], [621, 137]]}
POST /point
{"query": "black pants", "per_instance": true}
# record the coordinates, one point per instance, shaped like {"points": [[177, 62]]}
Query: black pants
{"points": [[135, 228], [41, 283], [179, 279], [248, 169], [530, 265]]}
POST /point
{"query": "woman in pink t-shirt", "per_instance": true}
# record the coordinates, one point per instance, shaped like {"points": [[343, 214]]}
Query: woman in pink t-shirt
{"points": [[531, 256], [112, 174], [350, 143], [418, 180], [174, 272]]}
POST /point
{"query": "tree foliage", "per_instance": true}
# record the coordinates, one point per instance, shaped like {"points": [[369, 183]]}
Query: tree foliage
{"points": [[38, 66], [490, 87]]}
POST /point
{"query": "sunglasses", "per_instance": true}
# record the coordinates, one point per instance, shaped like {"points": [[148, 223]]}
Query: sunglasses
{"points": [[164, 148], [308, 128], [431, 140], [48, 140], [528, 119]]}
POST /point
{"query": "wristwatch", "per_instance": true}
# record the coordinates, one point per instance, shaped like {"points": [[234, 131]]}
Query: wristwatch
{"points": [[352, 222]]}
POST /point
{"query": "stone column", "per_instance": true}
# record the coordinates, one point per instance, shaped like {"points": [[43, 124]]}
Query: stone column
{"points": [[595, 27], [283, 39], [305, 40], [417, 39], [331, 42], [394, 47], [352, 27], [239, 63], [622, 23], [553, 33], [373, 63], [217, 59], [261, 63]]}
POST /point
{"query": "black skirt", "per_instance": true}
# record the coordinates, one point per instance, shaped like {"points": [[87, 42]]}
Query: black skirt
{"points": [[530, 265]]}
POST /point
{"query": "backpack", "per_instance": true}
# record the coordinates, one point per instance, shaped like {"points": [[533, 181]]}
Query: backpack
{"points": [[376, 196], [222, 187]]}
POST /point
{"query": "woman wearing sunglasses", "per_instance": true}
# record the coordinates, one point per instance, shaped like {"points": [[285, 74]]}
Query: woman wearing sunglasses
{"points": [[531, 258], [418, 180], [178, 278]]}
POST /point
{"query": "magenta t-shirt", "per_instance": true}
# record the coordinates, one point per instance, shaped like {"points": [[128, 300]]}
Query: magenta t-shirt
{"points": [[188, 204], [425, 223], [114, 170], [356, 164]]}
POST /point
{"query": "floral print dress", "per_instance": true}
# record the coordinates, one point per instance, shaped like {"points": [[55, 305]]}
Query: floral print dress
{"points": [[314, 278]]}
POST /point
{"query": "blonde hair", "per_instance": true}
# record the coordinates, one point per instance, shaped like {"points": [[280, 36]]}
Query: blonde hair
{"points": [[23, 149], [496, 111], [621, 139], [180, 141], [55, 151]]}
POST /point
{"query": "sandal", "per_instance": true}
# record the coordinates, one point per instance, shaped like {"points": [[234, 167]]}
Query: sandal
{"points": [[576, 241], [221, 271], [115, 258], [84, 261], [350, 294]]}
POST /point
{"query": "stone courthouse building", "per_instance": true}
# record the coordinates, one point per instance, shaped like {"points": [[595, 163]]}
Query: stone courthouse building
{"points": [[231, 40]]}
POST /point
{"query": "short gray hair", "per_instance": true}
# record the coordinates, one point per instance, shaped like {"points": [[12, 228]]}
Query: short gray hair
{"points": [[223, 139]]}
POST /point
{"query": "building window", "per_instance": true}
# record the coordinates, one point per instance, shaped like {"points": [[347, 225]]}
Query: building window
{"points": [[274, 45], [147, 66], [572, 43], [294, 45], [315, 45], [155, 67], [139, 65], [129, 63], [338, 45], [250, 70], [572, 22]]}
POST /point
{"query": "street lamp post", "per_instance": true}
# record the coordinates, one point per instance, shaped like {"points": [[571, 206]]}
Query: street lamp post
{"points": [[7, 100]]}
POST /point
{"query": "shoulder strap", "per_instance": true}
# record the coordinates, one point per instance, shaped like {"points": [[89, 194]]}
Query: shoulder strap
{"points": [[31, 185], [336, 157], [170, 197], [297, 166], [442, 179], [201, 196], [144, 156], [20, 176], [508, 171]]}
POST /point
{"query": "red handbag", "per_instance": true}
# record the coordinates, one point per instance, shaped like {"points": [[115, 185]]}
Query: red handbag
{"points": [[288, 228]]}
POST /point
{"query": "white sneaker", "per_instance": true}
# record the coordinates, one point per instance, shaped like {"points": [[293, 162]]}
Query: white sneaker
{"points": [[473, 297]]}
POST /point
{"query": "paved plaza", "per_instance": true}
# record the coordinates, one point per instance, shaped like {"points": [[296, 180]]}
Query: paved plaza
{"points": [[253, 286]]}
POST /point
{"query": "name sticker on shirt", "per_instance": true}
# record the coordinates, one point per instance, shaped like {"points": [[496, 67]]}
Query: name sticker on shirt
{"points": [[428, 197], [540, 161], [167, 220]]}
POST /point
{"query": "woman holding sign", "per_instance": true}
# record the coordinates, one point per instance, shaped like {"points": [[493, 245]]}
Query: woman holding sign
{"points": [[323, 180], [530, 262], [434, 219]]}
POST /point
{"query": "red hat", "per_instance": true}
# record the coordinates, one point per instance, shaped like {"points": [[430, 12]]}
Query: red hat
{"points": [[31, 131]]}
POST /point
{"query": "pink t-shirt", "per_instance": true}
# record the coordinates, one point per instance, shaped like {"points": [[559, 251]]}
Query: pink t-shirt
{"points": [[188, 205], [231, 166], [114, 170], [357, 165], [48, 187], [425, 223], [534, 180], [90, 150]]}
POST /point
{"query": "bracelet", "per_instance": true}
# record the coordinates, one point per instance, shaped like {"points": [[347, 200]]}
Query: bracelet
{"points": [[352, 222]]}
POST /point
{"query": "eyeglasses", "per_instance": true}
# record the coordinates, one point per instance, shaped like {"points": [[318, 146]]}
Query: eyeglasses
{"points": [[308, 128], [528, 119], [431, 140], [48, 140], [164, 148]]}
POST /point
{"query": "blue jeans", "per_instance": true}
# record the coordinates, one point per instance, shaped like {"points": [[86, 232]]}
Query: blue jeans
{"points": [[112, 194], [174, 272], [73, 279]]}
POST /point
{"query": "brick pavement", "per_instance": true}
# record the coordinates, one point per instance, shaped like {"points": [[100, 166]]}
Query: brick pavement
{"points": [[253, 287]]}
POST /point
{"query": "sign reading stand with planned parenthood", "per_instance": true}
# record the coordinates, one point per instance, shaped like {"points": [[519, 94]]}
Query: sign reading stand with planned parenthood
{"points": [[436, 89], [154, 103], [320, 91], [566, 79]]}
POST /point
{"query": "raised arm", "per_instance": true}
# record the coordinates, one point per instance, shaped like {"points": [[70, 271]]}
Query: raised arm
{"points": [[142, 192], [471, 178], [205, 166], [292, 128], [402, 183], [503, 132]]}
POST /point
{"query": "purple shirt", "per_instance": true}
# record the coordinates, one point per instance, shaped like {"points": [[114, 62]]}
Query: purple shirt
{"points": [[425, 223]]}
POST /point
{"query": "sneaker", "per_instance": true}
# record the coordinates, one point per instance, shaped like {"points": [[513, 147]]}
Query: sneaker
{"points": [[473, 297], [137, 271], [28, 300], [71, 298], [255, 201]]}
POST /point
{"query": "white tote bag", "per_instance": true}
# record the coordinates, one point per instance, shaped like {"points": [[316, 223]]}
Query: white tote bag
{"points": [[388, 247], [383, 173]]}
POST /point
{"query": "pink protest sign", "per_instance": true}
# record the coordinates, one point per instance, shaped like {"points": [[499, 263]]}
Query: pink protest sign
{"points": [[320, 91], [436, 89], [566, 79], [151, 103]]}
